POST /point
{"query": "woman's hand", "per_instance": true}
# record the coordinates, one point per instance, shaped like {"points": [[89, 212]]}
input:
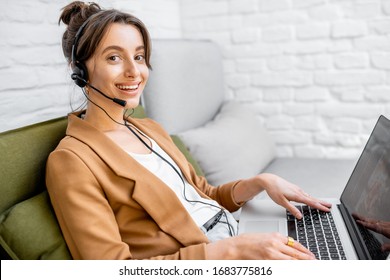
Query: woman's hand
{"points": [[280, 191], [283, 192], [259, 246]]}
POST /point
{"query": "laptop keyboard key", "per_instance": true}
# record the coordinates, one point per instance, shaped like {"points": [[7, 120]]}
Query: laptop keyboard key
{"points": [[317, 232]]}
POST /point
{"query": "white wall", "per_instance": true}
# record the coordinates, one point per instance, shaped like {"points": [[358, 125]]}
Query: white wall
{"points": [[316, 71], [35, 82]]}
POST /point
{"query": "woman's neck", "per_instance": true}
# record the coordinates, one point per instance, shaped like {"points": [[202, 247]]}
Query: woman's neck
{"points": [[104, 121]]}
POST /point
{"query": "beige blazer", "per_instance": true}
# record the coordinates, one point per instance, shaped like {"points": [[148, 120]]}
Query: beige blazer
{"points": [[111, 207]]}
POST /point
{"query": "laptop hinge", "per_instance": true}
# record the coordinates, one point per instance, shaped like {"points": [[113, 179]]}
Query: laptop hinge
{"points": [[357, 242]]}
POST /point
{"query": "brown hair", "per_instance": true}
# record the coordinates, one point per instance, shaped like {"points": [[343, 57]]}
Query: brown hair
{"points": [[75, 14]]}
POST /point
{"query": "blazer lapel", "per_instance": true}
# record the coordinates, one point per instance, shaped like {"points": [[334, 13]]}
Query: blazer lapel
{"points": [[175, 154], [150, 192]]}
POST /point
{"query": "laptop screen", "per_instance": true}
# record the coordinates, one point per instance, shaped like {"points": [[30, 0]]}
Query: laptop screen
{"points": [[367, 194]]}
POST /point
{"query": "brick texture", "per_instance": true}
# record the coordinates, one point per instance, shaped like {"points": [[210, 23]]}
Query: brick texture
{"points": [[316, 72], [319, 69]]}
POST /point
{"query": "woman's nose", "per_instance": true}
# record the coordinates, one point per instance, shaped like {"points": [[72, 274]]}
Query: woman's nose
{"points": [[131, 69]]}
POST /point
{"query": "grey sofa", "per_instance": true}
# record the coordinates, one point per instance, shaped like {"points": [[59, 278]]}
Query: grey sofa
{"points": [[186, 94]]}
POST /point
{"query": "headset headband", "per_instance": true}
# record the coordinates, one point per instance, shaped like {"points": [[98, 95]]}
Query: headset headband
{"points": [[76, 40]]}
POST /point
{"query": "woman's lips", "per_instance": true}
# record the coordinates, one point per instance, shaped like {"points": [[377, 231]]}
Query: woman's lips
{"points": [[128, 87]]}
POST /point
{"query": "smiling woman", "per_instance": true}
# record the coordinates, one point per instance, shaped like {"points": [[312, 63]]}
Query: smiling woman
{"points": [[118, 68], [120, 187]]}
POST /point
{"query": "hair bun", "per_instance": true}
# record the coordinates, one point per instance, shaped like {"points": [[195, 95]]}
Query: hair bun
{"points": [[77, 12]]}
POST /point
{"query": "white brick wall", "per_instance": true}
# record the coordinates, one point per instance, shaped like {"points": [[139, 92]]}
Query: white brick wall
{"points": [[35, 82], [317, 72]]}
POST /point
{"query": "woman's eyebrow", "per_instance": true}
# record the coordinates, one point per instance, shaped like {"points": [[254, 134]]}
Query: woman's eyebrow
{"points": [[118, 48]]}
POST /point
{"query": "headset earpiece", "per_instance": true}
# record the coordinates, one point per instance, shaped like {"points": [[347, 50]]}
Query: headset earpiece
{"points": [[80, 74]]}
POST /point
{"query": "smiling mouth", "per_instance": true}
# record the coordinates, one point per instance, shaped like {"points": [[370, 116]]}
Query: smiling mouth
{"points": [[129, 87]]}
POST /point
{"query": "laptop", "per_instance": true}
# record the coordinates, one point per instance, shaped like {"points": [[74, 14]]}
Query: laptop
{"points": [[358, 225]]}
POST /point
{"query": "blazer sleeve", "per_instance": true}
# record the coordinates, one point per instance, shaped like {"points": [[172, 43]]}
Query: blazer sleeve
{"points": [[85, 216], [223, 194]]}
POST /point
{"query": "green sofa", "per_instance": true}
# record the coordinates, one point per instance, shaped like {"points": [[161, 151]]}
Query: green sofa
{"points": [[28, 226]]}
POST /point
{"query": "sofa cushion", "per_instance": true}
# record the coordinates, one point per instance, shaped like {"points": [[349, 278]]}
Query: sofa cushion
{"points": [[179, 143], [234, 145], [31, 237], [28, 228], [185, 88]]}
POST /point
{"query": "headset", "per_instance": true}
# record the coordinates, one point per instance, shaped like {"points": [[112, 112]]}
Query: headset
{"points": [[80, 77], [80, 71]]}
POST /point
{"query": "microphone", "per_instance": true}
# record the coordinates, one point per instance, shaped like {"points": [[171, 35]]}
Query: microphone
{"points": [[121, 102], [116, 100]]}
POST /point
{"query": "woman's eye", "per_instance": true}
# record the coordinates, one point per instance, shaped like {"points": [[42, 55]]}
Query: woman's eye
{"points": [[113, 58], [140, 57]]}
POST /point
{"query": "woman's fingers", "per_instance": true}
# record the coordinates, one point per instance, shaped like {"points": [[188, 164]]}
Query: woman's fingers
{"points": [[296, 250]]}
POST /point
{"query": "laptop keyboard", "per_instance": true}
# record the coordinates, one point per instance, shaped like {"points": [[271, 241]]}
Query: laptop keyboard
{"points": [[317, 232]]}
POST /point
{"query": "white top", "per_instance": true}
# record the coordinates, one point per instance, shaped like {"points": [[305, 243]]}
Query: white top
{"points": [[200, 209]]}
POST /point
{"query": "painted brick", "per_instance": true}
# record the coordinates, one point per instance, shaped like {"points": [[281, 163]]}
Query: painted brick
{"points": [[373, 43], [323, 64], [349, 140], [381, 27], [306, 47], [274, 5], [349, 93], [277, 34], [266, 109], [248, 94], [202, 8], [278, 95], [11, 78], [341, 45], [343, 78], [358, 111], [311, 94], [378, 94], [386, 7], [298, 109], [243, 6], [347, 125], [306, 3], [325, 138], [381, 60], [345, 28], [296, 78], [290, 137], [365, 9], [308, 123], [280, 63], [325, 12], [253, 51], [250, 65], [351, 60], [247, 35], [313, 31], [279, 122], [314, 62], [237, 81]]}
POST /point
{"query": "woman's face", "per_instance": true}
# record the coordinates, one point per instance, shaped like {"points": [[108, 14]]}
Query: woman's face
{"points": [[118, 67]]}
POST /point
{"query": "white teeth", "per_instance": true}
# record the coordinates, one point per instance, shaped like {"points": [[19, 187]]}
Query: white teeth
{"points": [[127, 87]]}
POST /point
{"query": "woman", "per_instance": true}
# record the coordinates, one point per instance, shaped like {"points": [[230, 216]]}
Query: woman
{"points": [[120, 187]]}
